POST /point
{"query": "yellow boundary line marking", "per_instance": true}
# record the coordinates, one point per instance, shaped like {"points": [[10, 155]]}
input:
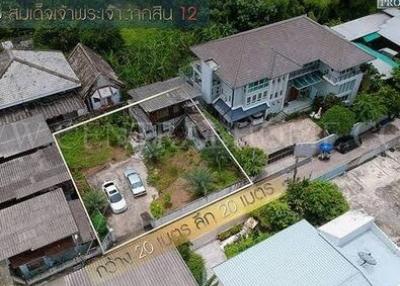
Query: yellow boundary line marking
{"points": [[188, 228]]}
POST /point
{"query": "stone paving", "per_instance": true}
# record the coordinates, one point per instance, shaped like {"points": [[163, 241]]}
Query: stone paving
{"points": [[213, 255], [375, 187]]}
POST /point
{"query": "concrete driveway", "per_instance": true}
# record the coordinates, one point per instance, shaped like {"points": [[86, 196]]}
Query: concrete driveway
{"points": [[274, 137], [128, 224]]}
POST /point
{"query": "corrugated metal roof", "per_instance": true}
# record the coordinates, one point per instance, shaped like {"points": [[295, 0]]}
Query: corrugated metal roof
{"points": [[93, 71], [182, 93], [28, 75], [277, 49], [390, 30], [297, 256], [51, 107], [82, 222], [362, 26], [35, 223], [26, 175], [24, 135], [166, 269]]}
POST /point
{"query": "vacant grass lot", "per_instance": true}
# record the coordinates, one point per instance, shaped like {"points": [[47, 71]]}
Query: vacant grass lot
{"points": [[169, 174], [95, 144]]}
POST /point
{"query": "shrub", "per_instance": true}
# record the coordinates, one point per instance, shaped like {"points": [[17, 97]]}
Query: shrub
{"points": [[228, 233], [167, 200], [100, 223], [276, 216], [197, 267], [94, 201], [318, 201], [194, 261], [157, 208], [339, 120], [153, 152], [326, 102], [217, 156], [201, 181], [252, 160], [244, 243]]}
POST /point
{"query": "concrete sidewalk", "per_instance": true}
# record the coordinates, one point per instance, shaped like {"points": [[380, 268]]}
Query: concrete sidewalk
{"points": [[386, 138]]}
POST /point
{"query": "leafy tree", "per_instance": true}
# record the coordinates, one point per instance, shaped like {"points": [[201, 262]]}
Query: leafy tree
{"points": [[369, 108], [58, 38], [201, 181], [391, 100], [339, 120], [396, 77], [372, 80], [318, 201], [94, 201], [276, 216], [102, 39], [252, 160], [217, 155]]}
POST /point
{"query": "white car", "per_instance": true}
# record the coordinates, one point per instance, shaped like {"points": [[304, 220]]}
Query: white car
{"points": [[114, 197], [135, 182]]}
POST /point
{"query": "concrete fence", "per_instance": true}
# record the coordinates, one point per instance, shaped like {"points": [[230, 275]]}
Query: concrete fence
{"points": [[201, 202]]}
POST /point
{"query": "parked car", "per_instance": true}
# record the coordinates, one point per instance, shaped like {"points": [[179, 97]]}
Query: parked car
{"points": [[114, 198], [346, 144], [135, 182]]}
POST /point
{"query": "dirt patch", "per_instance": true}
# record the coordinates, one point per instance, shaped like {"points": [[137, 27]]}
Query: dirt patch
{"points": [[180, 193]]}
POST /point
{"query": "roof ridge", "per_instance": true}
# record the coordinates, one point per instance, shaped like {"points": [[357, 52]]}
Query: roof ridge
{"points": [[38, 67], [332, 32], [253, 30], [93, 65], [244, 41]]}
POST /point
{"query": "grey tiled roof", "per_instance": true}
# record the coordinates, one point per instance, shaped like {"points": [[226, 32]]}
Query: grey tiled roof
{"points": [[35, 223], [82, 221], [93, 71], [52, 107], [278, 49], [28, 75], [32, 173], [24, 135], [166, 269], [183, 92]]}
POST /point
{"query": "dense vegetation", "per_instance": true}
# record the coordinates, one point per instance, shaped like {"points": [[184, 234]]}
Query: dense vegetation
{"points": [[316, 201], [145, 55]]}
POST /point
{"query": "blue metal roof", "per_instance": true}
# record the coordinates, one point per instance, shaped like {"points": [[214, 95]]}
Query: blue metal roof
{"points": [[298, 256], [237, 114]]}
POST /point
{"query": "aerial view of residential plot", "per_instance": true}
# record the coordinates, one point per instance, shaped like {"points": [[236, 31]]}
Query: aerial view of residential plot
{"points": [[200, 143]]}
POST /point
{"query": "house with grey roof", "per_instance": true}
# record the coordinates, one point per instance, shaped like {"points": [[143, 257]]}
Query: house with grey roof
{"points": [[350, 250], [40, 234], [276, 68], [38, 82], [164, 106], [377, 34], [101, 87]]}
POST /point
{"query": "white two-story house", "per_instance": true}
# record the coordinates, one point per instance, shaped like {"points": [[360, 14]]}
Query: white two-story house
{"points": [[278, 67]]}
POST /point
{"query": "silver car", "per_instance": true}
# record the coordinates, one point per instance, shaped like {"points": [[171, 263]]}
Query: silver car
{"points": [[135, 182]]}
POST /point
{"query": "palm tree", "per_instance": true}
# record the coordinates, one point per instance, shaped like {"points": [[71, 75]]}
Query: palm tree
{"points": [[201, 181], [153, 151]]}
